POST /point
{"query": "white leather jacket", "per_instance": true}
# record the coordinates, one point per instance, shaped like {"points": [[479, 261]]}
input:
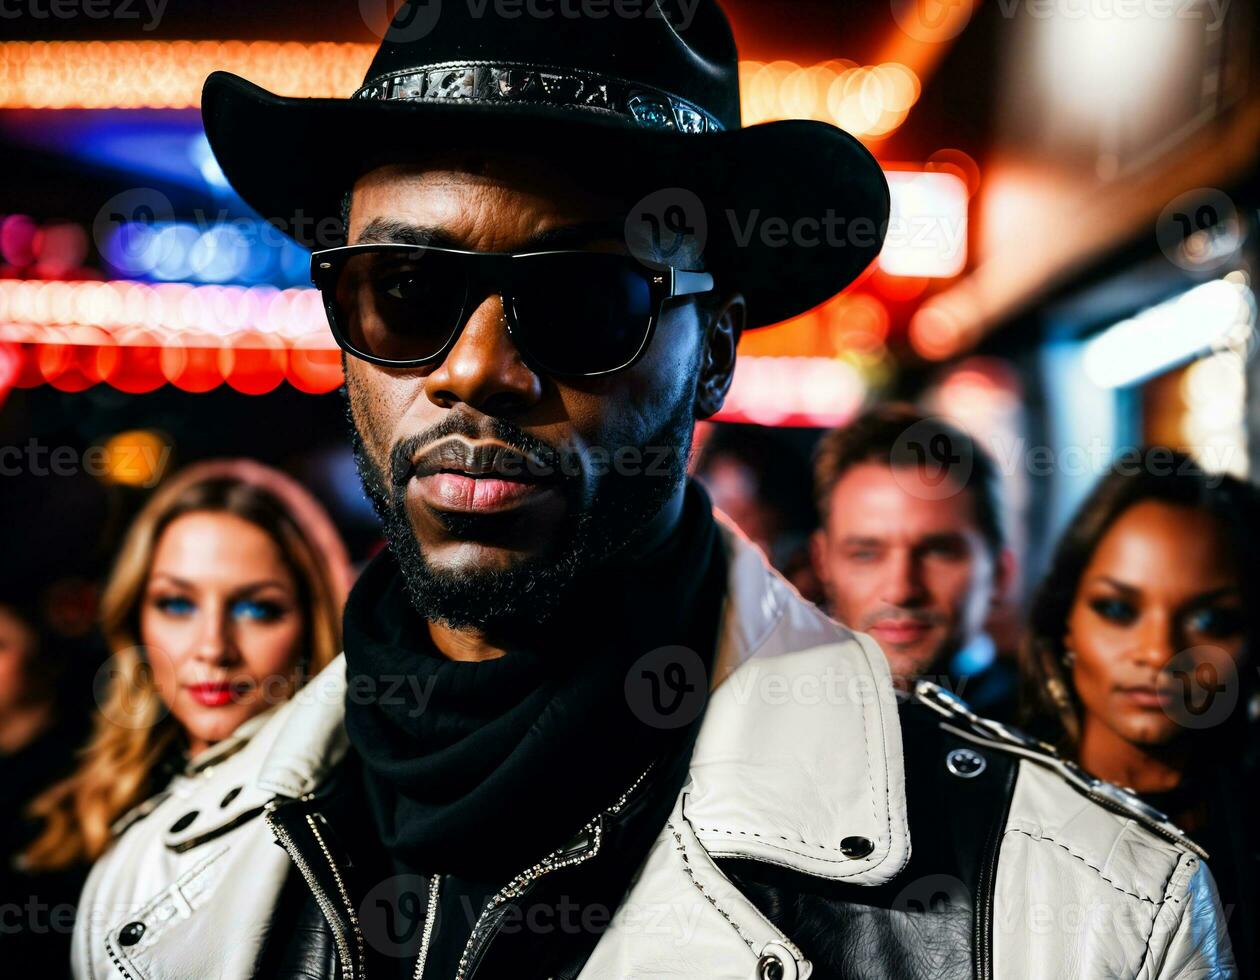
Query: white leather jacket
{"points": [[799, 754]]}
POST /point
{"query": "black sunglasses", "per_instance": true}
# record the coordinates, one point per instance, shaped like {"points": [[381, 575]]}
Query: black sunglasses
{"points": [[569, 313]]}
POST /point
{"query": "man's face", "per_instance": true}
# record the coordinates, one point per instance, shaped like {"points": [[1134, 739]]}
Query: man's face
{"points": [[910, 568], [477, 550]]}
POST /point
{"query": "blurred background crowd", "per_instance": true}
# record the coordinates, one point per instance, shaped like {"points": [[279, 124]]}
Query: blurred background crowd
{"points": [[1017, 451]]}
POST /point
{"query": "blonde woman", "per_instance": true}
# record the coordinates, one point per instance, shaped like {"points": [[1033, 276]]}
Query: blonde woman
{"points": [[225, 598]]}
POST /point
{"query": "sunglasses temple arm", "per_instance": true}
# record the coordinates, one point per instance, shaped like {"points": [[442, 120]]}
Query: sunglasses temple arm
{"points": [[688, 283]]}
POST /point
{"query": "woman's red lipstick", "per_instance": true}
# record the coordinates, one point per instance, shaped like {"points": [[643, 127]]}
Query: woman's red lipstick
{"points": [[213, 695]]}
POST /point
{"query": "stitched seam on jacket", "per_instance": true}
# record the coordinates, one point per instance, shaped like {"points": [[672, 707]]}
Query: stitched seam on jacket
{"points": [[870, 779], [753, 647], [1084, 861], [790, 865], [145, 911], [687, 869], [1184, 870], [1146, 949], [789, 840], [883, 737]]}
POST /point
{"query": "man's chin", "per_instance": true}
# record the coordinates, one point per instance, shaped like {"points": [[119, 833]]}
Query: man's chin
{"points": [[907, 666], [458, 559], [480, 586], [474, 571]]}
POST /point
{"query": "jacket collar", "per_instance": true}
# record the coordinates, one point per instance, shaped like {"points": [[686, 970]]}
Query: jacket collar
{"points": [[222, 787], [798, 760]]}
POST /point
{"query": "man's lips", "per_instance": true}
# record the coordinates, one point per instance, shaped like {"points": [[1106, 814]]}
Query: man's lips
{"points": [[455, 475], [901, 630], [216, 694], [481, 494]]}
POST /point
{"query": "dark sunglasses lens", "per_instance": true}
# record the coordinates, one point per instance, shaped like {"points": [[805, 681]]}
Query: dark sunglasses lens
{"points": [[581, 313], [399, 305]]}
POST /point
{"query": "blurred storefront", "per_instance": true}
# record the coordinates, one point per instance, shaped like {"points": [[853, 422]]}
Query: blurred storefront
{"points": [[1114, 247]]}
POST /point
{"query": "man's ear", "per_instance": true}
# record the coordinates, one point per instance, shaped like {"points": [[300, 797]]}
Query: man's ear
{"points": [[717, 359]]}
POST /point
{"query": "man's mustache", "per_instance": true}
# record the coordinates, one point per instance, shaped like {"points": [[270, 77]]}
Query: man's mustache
{"points": [[538, 458]]}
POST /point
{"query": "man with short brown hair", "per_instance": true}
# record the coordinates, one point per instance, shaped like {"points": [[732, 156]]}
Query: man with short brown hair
{"points": [[912, 549]]}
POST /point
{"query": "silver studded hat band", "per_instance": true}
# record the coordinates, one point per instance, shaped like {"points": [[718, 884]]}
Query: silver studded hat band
{"points": [[500, 83]]}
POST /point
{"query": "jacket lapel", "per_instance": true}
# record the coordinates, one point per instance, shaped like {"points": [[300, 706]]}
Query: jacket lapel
{"points": [[799, 760], [798, 763]]}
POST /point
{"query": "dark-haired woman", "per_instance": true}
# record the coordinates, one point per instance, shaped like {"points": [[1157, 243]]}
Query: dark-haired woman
{"points": [[1139, 663]]}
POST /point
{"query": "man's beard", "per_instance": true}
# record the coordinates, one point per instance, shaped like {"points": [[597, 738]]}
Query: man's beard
{"points": [[621, 507]]}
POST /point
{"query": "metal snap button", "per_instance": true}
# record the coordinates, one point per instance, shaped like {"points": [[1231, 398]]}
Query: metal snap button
{"points": [[770, 967], [856, 847], [965, 763], [183, 822], [779, 962], [130, 934]]}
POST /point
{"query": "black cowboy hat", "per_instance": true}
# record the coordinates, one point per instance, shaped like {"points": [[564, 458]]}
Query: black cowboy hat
{"points": [[644, 91]]}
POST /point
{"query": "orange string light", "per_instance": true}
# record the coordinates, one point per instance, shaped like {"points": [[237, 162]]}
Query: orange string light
{"points": [[869, 101]]}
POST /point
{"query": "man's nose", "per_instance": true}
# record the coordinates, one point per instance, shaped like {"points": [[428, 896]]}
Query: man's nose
{"points": [[902, 584], [485, 369]]}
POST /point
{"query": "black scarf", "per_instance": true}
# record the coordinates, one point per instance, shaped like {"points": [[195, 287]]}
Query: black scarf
{"points": [[481, 769]]}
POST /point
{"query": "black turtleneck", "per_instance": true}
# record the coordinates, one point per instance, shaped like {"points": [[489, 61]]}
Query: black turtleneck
{"points": [[476, 770]]}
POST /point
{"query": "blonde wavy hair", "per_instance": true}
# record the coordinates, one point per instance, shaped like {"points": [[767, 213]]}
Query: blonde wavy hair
{"points": [[132, 731]]}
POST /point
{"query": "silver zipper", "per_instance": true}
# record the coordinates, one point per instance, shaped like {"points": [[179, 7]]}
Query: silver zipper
{"points": [[321, 897], [555, 861], [341, 888], [430, 916], [984, 914]]}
